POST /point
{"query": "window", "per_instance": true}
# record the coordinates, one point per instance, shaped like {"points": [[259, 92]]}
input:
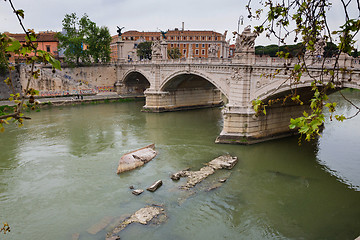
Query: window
{"points": [[172, 45], [209, 38], [48, 48], [184, 52], [152, 38], [215, 38], [196, 45], [190, 38], [196, 51], [172, 38], [202, 51], [178, 45], [178, 38], [132, 38], [203, 38], [203, 45], [184, 45], [135, 45]]}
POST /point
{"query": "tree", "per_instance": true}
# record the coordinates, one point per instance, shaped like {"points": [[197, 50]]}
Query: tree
{"points": [[144, 50], [83, 41], [98, 41], [311, 27], [72, 40], [174, 53]]}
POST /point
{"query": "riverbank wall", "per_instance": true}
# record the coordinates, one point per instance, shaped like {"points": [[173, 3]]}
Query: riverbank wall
{"points": [[75, 100], [70, 81]]}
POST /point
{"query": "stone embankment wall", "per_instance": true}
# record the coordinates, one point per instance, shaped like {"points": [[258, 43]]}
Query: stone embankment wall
{"points": [[182, 99], [5, 90], [71, 81]]}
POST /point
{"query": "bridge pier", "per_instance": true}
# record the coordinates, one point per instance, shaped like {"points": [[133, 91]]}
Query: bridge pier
{"points": [[242, 126], [181, 99]]}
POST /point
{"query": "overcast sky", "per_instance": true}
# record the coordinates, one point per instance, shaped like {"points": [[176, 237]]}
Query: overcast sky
{"points": [[141, 15]]}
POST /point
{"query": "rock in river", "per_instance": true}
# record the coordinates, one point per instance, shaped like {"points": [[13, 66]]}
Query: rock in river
{"points": [[137, 191], [137, 158], [143, 216], [194, 177], [155, 186]]}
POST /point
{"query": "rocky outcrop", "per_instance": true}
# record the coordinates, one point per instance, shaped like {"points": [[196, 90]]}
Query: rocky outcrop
{"points": [[5, 90], [195, 177], [143, 216], [136, 158]]}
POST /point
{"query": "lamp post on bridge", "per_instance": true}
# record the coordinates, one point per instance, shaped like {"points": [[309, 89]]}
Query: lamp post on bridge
{"points": [[241, 20]]}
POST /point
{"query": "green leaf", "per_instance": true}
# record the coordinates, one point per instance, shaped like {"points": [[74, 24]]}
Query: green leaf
{"points": [[340, 118], [20, 12], [14, 46]]}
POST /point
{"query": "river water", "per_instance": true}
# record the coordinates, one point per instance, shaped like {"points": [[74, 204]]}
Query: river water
{"points": [[57, 177]]}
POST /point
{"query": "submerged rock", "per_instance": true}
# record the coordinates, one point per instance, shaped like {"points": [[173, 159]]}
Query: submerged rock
{"points": [[195, 177], [76, 236], [155, 186], [137, 158], [100, 225], [143, 216]]}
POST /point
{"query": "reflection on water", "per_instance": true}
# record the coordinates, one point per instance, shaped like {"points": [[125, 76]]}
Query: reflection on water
{"points": [[58, 177]]}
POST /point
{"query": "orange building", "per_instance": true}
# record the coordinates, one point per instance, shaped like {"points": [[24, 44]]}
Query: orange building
{"points": [[46, 41], [190, 43]]}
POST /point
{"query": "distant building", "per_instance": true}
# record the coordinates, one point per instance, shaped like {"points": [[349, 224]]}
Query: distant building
{"points": [[231, 50], [47, 41], [191, 43]]}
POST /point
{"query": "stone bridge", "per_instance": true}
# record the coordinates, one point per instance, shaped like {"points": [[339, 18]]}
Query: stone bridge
{"points": [[171, 85]]}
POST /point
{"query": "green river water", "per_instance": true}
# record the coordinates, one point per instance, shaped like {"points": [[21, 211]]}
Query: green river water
{"points": [[58, 177]]}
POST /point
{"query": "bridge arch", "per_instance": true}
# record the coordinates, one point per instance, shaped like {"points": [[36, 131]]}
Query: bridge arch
{"points": [[187, 79], [135, 82], [303, 88]]}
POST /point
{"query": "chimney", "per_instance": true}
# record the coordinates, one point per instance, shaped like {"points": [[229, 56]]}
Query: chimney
{"points": [[183, 26]]}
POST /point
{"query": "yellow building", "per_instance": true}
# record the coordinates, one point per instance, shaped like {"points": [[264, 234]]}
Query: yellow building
{"points": [[191, 43]]}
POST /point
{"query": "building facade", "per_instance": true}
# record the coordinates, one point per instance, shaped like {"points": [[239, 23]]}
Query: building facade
{"points": [[47, 41], [191, 44]]}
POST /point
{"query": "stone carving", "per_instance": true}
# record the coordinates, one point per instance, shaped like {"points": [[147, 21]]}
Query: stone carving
{"points": [[213, 50], [236, 76], [318, 48], [245, 41], [156, 48]]}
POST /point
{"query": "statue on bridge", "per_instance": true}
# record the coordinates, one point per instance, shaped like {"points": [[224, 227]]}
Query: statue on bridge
{"points": [[213, 50], [318, 50], [156, 50], [245, 42], [119, 30], [245, 46], [163, 34]]}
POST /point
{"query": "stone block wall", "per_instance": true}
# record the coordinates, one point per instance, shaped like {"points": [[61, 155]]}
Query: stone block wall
{"points": [[80, 80], [182, 99], [246, 128]]}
